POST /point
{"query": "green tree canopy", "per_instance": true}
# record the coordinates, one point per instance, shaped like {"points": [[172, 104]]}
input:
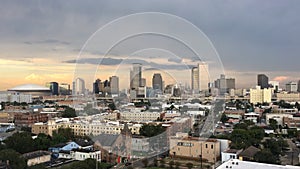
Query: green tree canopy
{"points": [[69, 113], [149, 130], [15, 159], [265, 156], [21, 142]]}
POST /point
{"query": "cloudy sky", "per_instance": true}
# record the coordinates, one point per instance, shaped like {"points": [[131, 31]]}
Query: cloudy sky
{"points": [[54, 40]]}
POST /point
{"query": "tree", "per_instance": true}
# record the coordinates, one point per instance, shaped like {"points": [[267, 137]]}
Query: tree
{"points": [[62, 135], [149, 130], [20, 142], [189, 165], [145, 162], [42, 142], [273, 124], [14, 158], [112, 106], [224, 118], [155, 163], [69, 113], [265, 156], [162, 163], [177, 164], [171, 164]]}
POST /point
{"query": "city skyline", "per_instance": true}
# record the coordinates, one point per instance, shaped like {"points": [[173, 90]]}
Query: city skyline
{"points": [[32, 54]]}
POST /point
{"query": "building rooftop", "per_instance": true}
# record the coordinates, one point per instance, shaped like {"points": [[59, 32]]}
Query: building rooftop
{"points": [[31, 87], [237, 164], [250, 152], [35, 154]]}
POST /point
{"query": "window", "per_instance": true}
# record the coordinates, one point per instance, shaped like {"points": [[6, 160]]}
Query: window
{"points": [[205, 145], [212, 146]]}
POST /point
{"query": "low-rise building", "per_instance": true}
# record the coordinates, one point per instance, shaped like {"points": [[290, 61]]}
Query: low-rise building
{"points": [[37, 157], [195, 148], [82, 128], [230, 154]]}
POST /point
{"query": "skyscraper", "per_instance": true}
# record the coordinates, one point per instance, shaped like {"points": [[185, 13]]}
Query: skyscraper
{"points": [[114, 84], [203, 76], [54, 88], [64, 89], [157, 82], [291, 87], [195, 79], [262, 81], [96, 86], [200, 77], [136, 76], [78, 87]]}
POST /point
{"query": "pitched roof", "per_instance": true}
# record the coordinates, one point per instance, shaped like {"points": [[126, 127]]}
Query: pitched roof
{"points": [[106, 139], [84, 142], [250, 152]]}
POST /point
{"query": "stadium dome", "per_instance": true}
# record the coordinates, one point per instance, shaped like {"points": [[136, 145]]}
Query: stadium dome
{"points": [[33, 89]]}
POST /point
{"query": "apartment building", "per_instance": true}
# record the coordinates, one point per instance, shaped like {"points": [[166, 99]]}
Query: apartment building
{"points": [[82, 128], [140, 116]]}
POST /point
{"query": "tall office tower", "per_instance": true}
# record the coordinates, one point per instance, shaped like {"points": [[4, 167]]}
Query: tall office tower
{"points": [[64, 89], [96, 86], [262, 81], [203, 76], [274, 85], [136, 76], [195, 79], [54, 88], [291, 87], [114, 84], [157, 82], [78, 87], [230, 83]]}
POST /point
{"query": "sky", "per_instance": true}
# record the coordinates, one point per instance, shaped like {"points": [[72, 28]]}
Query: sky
{"points": [[56, 40]]}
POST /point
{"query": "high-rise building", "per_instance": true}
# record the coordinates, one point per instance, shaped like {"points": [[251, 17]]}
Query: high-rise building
{"points": [[136, 76], [157, 82], [78, 87], [96, 86], [195, 79], [274, 85], [54, 88], [291, 87], [200, 77], [259, 95], [203, 76], [224, 85], [114, 84], [64, 89], [262, 81]]}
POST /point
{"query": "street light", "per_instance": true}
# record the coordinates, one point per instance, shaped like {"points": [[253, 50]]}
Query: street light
{"points": [[200, 160]]}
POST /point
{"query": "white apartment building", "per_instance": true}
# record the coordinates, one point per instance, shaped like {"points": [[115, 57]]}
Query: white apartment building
{"points": [[259, 95]]}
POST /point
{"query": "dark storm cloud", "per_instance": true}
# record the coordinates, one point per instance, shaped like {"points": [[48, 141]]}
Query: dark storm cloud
{"points": [[113, 61], [248, 35]]}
